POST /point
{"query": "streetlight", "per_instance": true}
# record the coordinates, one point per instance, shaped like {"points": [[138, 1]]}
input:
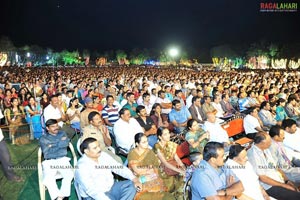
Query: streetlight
{"points": [[173, 52]]}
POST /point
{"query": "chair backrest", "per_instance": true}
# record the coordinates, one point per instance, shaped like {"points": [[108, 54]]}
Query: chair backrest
{"points": [[183, 152], [234, 127], [187, 191]]}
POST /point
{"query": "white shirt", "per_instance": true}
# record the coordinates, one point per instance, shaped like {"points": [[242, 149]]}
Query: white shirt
{"points": [[248, 177], [216, 132], [250, 123], [189, 101], [53, 113], [165, 100], [218, 107], [264, 165], [292, 141], [125, 132], [94, 179]]}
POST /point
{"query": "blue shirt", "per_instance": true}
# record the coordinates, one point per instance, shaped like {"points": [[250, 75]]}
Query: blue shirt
{"points": [[180, 116], [206, 180], [54, 146]]}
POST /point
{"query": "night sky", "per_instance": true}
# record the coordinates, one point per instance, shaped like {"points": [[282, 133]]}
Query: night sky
{"points": [[193, 25]]}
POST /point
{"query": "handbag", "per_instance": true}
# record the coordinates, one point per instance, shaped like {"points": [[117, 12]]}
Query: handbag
{"points": [[169, 171]]}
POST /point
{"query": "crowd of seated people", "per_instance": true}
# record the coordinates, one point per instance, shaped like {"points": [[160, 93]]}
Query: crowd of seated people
{"points": [[141, 109]]}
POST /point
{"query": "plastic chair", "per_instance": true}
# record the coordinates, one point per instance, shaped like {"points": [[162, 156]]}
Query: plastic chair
{"points": [[58, 175]]}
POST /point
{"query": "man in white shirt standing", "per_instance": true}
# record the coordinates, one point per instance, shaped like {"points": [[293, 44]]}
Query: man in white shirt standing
{"points": [[94, 179]]}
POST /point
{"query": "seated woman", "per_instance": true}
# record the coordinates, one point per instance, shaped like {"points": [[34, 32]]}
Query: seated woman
{"points": [[196, 136], [33, 117], [172, 167], [143, 162], [280, 111], [74, 113], [159, 119], [15, 115]]}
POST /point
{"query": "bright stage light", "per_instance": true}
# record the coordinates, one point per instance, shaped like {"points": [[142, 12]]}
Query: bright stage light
{"points": [[28, 54], [173, 52], [47, 57]]}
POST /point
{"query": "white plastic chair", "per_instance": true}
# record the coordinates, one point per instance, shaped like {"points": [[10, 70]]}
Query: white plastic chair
{"points": [[42, 187]]}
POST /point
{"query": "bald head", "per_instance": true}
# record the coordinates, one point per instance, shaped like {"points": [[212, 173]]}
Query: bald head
{"points": [[211, 117]]}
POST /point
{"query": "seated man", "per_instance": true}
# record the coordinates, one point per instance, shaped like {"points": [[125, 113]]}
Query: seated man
{"points": [[207, 106], [146, 102], [131, 105], [125, 129], [216, 132], [226, 105], [179, 116], [242, 168], [290, 109], [54, 146], [147, 124], [94, 175], [252, 123], [165, 103], [284, 161], [210, 181], [196, 111], [52, 111], [97, 130], [266, 116], [292, 135], [110, 113], [84, 121], [273, 179]]}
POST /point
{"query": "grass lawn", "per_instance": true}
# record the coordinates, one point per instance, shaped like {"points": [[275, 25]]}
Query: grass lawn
{"points": [[24, 159]]}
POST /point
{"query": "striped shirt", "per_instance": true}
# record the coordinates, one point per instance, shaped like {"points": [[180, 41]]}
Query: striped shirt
{"points": [[112, 114]]}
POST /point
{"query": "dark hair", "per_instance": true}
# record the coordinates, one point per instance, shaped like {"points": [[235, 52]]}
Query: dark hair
{"points": [[250, 110], [50, 122], [263, 104], [235, 150], [291, 98], [159, 92], [71, 101], [53, 96], [194, 156], [160, 131], [109, 96], [92, 115], [190, 123], [154, 107], [139, 108], [129, 94], [145, 95], [177, 92], [122, 111], [175, 101], [288, 123], [210, 150], [85, 144], [138, 137], [280, 100], [259, 137], [195, 99], [274, 130]]}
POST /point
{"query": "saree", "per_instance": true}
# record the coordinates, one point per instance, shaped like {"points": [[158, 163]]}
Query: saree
{"points": [[174, 183], [148, 164], [195, 136]]}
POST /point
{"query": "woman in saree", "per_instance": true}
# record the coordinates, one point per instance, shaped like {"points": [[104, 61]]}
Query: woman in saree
{"points": [[33, 118], [73, 113], [166, 152], [15, 117], [196, 136], [144, 164]]}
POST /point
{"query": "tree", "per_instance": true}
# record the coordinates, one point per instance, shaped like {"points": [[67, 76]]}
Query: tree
{"points": [[223, 51], [273, 50], [7, 46], [70, 58], [121, 56]]}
